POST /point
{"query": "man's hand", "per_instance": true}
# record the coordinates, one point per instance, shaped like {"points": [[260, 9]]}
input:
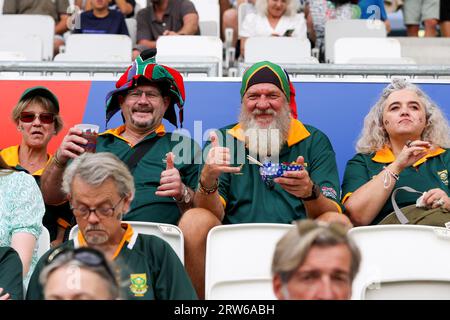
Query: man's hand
{"points": [[297, 183], [217, 162], [6, 296], [169, 33], [170, 182], [70, 147]]}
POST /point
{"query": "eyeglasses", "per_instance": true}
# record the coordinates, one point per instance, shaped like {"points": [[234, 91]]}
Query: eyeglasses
{"points": [[149, 95], [87, 256], [45, 117], [102, 212]]}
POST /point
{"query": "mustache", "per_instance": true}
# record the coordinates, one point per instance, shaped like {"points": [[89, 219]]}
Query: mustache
{"points": [[257, 112], [142, 109], [94, 227]]}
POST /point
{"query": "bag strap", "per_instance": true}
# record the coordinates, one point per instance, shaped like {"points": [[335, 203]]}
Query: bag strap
{"points": [[400, 215], [139, 151]]}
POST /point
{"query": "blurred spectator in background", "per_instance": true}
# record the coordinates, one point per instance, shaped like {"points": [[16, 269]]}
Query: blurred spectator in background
{"points": [[276, 18], [417, 11], [165, 18], [57, 9], [126, 7], [85, 266], [11, 286], [445, 18], [101, 19], [318, 12], [374, 10], [22, 209], [37, 118], [315, 261], [230, 18]]}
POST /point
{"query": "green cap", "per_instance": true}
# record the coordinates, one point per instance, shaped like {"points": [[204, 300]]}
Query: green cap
{"points": [[40, 91], [266, 72]]}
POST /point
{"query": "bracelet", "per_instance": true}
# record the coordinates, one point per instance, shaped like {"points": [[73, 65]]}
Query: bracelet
{"points": [[387, 177], [204, 190], [57, 162]]}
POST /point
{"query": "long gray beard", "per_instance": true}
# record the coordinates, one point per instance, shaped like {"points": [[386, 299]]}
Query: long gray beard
{"points": [[265, 143]]}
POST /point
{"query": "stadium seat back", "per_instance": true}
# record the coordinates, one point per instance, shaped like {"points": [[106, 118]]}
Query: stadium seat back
{"points": [[434, 51], [208, 17], [97, 48], [367, 50], [132, 29], [335, 29], [282, 50], [402, 262], [28, 48], [170, 233], [43, 243], [22, 25], [190, 49], [238, 261]]}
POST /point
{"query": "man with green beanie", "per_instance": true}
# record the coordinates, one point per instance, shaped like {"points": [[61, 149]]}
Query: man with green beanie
{"points": [[144, 94], [231, 189]]}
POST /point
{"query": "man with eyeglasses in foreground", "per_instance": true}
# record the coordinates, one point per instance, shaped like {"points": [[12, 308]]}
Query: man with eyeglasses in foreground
{"points": [[100, 190], [144, 94], [315, 261]]}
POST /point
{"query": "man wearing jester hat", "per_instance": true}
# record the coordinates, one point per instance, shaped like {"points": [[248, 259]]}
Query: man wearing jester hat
{"points": [[145, 94]]}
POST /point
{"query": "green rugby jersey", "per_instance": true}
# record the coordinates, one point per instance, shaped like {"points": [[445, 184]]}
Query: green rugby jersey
{"points": [[11, 273], [427, 173], [246, 197], [149, 269]]}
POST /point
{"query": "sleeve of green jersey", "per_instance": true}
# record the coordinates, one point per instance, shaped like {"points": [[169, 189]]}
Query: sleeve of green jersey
{"points": [[11, 273], [323, 169], [356, 175]]}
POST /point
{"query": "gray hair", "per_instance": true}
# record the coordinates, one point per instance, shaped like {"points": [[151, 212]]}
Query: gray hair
{"points": [[67, 260], [95, 168], [292, 249], [373, 136], [292, 7]]}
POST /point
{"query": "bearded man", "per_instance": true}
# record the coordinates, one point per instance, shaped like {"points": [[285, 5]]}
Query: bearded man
{"points": [[231, 189]]}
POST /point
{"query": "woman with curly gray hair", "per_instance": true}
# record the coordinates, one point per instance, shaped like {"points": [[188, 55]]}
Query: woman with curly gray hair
{"points": [[404, 142]]}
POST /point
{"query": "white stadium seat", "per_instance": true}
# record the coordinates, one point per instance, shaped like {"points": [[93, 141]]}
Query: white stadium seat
{"points": [[402, 262], [208, 16], [238, 261], [29, 47], [132, 29], [368, 51], [189, 50], [335, 29], [43, 243], [97, 47], [23, 25], [282, 50]]}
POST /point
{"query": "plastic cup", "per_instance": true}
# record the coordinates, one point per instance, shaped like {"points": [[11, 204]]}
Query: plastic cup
{"points": [[90, 133]]}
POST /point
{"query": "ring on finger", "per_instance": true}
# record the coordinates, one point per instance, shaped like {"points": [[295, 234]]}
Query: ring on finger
{"points": [[408, 143]]}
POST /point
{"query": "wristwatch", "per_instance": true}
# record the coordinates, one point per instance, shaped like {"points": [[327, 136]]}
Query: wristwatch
{"points": [[315, 193], [185, 197]]}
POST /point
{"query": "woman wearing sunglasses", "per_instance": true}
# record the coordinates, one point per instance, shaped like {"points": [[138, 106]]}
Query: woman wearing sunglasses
{"points": [[37, 118], [79, 274]]}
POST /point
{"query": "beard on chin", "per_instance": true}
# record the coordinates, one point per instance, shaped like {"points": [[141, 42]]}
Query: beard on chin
{"points": [[97, 238], [265, 142]]}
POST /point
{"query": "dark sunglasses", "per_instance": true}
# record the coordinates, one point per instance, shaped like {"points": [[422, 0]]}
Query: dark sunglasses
{"points": [[87, 256], [45, 117]]}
